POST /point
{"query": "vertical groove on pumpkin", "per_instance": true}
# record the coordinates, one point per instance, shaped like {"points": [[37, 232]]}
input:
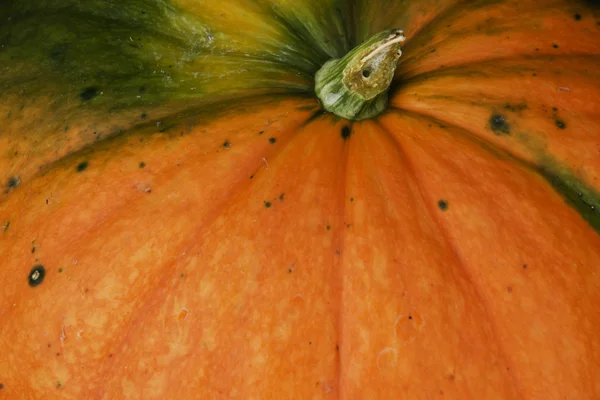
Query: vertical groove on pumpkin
{"points": [[434, 215]]}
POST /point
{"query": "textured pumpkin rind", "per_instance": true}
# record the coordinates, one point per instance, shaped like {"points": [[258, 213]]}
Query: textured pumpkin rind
{"points": [[231, 244]]}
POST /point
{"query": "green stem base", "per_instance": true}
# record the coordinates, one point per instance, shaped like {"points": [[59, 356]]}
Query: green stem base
{"points": [[356, 86]]}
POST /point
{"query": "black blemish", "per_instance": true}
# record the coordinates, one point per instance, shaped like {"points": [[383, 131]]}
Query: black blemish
{"points": [[144, 116], [88, 93], [82, 166], [410, 317], [443, 205], [346, 132], [227, 144], [267, 204], [251, 176], [5, 226], [1, 386], [577, 17], [142, 164], [272, 140], [60, 270], [261, 132], [351, 199], [58, 385], [281, 196], [13, 182], [36, 275], [499, 125], [554, 109], [328, 227], [515, 107], [32, 250], [524, 266], [555, 46], [560, 124]]}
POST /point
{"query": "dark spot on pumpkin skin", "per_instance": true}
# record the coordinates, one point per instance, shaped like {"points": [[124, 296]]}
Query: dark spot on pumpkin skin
{"points": [[58, 385], [261, 132], [142, 164], [144, 116], [226, 144], [346, 132], [88, 93], [281, 196], [32, 250], [268, 204], [272, 140], [1, 386], [328, 227], [60, 270], [524, 266], [515, 107], [499, 124], [577, 17], [555, 46], [410, 317], [5, 226], [36, 275], [13, 182], [560, 124], [443, 205], [82, 166]]}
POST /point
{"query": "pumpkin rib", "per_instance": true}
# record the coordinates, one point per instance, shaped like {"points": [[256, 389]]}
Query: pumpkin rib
{"points": [[152, 295], [510, 39], [443, 233], [307, 42], [573, 194], [569, 272], [209, 113], [479, 68]]}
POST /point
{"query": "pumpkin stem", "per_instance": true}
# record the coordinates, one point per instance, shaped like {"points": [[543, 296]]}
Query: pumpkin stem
{"points": [[356, 86]]}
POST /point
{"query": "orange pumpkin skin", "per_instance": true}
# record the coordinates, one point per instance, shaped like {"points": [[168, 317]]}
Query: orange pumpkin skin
{"points": [[237, 242]]}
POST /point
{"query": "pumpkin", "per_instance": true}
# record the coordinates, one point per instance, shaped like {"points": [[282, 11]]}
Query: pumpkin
{"points": [[182, 217]]}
